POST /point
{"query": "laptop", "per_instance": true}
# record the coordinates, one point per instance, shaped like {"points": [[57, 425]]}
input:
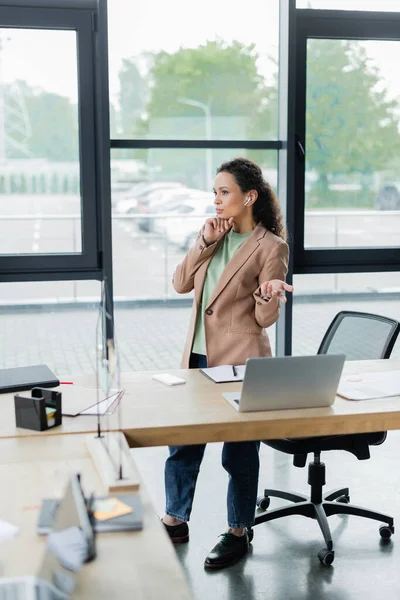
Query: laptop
{"points": [[26, 378], [288, 382]]}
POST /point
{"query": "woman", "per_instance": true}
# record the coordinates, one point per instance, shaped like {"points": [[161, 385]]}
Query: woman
{"points": [[236, 268]]}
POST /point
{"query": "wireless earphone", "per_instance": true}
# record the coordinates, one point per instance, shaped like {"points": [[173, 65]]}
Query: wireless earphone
{"points": [[247, 201]]}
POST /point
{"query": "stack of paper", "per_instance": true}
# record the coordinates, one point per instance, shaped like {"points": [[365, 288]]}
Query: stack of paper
{"points": [[225, 373], [367, 386]]}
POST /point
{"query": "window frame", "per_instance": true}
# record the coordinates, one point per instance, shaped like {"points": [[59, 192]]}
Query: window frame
{"points": [[333, 24], [88, 263]]}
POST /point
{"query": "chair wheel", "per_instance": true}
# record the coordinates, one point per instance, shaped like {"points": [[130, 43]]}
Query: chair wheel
{"points": [[326, 557], [343, 499], [386, 532], [250, 534], [263, 502]]}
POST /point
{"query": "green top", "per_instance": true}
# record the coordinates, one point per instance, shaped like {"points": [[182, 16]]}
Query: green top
{"points": [[230, 245]]}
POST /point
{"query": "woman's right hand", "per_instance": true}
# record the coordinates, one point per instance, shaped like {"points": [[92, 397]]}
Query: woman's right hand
{"points": [[215, 228]]}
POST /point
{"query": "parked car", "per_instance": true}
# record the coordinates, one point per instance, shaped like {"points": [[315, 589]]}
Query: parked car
{"points": [[166, 200], [128, 193], [183, 227], [136, 199], [388, 197]]}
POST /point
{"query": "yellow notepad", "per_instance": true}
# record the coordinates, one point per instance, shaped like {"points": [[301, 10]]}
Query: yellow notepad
{"points": [[109, 508]]}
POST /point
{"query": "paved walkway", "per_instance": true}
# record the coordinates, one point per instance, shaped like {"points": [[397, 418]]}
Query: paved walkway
{"points": [[149, 338]]}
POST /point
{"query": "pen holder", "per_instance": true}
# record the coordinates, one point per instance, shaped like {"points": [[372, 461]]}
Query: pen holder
{"points": [[41, 411]]}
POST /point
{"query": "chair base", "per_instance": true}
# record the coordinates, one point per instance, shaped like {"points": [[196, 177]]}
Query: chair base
{"points": [[320, 511]]}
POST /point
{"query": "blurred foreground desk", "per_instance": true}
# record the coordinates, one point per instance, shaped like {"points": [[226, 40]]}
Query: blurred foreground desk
{"points": [[153, 414], [139, 564]]}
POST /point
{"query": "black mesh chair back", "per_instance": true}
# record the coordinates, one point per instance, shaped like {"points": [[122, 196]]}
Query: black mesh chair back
{"points": [[360, 336]]}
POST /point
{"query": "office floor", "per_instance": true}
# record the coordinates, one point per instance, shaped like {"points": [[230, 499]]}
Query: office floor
{"points": [[282, 563]]}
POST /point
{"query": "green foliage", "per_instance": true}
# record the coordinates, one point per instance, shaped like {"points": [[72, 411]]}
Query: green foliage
{"points": [[321, 197], [52, 130], [224, 79], [218, 74], [351, 125], [132, 98]]}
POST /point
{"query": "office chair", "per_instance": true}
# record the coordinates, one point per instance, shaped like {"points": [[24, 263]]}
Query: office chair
{"points": [[361, 336]]}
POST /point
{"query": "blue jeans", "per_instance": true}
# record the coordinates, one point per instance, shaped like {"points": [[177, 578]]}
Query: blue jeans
{"points": [[239, 459]]}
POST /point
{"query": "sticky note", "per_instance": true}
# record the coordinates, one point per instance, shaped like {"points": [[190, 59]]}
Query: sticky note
{"points": [[109, 508]]}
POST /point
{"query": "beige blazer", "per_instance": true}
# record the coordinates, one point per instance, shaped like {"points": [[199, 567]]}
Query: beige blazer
{"points": [[236, 315]]}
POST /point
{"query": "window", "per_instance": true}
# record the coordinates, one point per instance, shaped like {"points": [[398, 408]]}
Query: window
{"points": [[39, 151], [352, 184], [210, 74], [147, 247], [47, 143]]}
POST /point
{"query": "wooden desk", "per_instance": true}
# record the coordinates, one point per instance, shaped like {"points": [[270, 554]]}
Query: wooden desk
{"points": [[141, 564], [156, 415]]}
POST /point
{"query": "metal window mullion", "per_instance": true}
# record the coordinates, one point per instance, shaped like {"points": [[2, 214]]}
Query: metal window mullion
{"points": [[103, 163], [87, 145], [135, 144], [286, 155]]}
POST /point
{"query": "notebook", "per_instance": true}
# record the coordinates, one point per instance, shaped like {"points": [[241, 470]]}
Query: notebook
{"points": [[26, 378], [225, 373], [130, 521]]}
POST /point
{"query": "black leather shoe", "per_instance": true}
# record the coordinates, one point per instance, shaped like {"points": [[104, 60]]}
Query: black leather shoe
{"points": [[178, 534], [227, 551]]}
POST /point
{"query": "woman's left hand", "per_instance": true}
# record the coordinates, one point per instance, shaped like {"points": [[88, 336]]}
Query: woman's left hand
{"points": [[275, 288]]}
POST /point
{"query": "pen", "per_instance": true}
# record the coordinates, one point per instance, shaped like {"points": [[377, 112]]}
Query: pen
{"points": [[234, 371], [66, 383]]}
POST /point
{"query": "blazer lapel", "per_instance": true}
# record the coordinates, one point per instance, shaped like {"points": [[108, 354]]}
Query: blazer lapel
{"points": [[237, 261]]}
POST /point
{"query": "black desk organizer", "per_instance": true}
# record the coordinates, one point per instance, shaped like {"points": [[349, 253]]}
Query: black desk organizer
{"points": [[30, 412]]}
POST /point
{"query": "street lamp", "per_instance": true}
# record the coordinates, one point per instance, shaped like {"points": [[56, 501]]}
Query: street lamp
{"points": [[207, 114]]}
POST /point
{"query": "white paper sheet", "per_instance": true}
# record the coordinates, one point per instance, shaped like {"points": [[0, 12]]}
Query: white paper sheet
{"points": [[7, 531], [102, 408], [367, 386]]}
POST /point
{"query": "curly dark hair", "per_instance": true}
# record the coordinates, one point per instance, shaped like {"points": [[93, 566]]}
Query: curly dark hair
{"points": [[266, 209]]}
